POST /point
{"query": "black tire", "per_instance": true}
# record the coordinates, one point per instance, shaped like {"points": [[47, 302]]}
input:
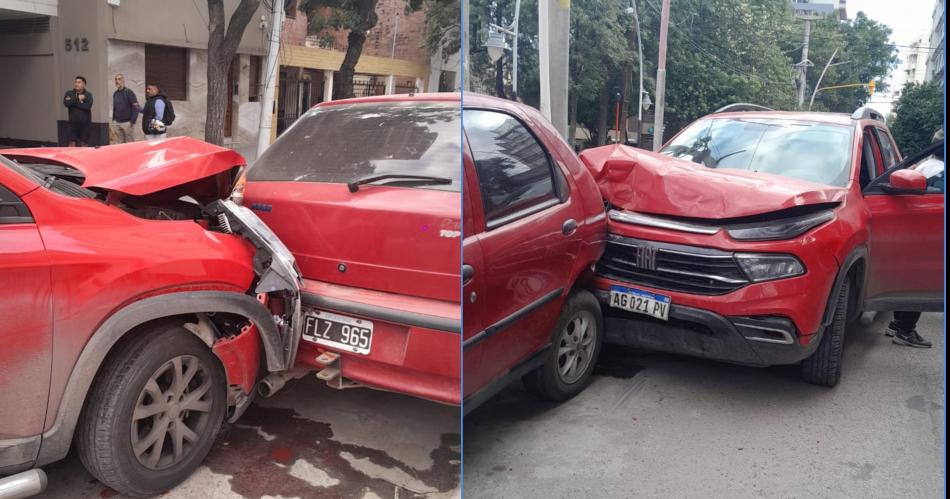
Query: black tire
{"points": [[547, 381], [104, 438], [824, 366]]}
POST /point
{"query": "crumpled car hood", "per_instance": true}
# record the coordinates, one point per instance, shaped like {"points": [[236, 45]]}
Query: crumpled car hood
{"points": [[139, 168], [638, 180]]}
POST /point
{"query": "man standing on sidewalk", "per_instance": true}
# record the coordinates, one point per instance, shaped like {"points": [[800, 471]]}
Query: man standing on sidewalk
{"points": [[78, 102], [158, 113], [125, 109]]}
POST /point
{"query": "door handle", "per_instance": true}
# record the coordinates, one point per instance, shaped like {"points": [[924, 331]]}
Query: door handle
{"points": [[468, 272], [569, 227]]}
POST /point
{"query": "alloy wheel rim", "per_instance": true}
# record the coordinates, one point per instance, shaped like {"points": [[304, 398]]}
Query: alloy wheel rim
{"points": [[172, 412], [576, 347]]}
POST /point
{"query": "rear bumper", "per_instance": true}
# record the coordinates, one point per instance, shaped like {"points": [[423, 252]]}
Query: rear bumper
{"points": [[416, 347], [755, 341]]}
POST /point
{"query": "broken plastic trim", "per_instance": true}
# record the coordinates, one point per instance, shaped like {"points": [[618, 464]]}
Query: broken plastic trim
{"points": [[278, 274]]}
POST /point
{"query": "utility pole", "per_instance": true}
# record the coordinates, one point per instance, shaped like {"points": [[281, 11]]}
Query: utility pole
{"points": [[554, 28], [267, 103], [661, 78], [808, 12], [803, 65]]}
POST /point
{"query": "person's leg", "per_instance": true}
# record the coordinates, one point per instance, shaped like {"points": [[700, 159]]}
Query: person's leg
{"points": [[129, 130], [84, 133], [115, 133], [73, 133], [904, 328]]}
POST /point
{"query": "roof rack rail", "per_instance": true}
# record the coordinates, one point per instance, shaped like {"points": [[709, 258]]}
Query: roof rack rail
{"points": [[742, 106], [865, 112]]}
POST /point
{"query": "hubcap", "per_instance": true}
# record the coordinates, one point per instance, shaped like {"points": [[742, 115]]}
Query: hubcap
{"points": [[576, 347], [172, 411]]}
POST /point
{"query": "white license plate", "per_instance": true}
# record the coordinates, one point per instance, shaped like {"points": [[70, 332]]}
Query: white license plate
{"points": [[338, 331], [641, 302]]}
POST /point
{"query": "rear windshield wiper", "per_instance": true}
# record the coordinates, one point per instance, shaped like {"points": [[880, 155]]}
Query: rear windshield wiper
{"points": [[354, 185]]}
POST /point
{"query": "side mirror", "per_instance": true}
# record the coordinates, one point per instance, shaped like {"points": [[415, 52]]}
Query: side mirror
{"points": [[906, 182]]}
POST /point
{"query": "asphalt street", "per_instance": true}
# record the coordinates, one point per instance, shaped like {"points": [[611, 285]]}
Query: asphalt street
{"points": [[310, 441], [656, 425]]}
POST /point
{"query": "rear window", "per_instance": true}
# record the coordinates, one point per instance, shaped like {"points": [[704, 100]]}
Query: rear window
{"points": [[343, 143], [815, 152]]}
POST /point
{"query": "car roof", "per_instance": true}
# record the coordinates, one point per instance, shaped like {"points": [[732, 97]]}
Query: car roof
{"points": [[831, 118], [422, 97]]}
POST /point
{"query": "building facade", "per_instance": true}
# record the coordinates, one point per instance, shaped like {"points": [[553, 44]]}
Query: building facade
{"points": [[938, 37], [145, 40], [394, 60], [916, 59]]}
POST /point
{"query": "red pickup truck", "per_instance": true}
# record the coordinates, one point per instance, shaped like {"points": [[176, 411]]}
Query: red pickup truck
{"points": [[755, 236]]}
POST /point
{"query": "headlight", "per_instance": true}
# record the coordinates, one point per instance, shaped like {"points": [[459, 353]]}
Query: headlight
{"points": [[768, 266], [785, 228]]}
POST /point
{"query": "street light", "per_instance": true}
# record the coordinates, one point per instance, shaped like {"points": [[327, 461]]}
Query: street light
{"points": [[645, 99], [497, 45]]}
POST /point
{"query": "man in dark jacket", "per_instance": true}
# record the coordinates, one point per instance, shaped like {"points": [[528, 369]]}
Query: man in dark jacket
{"points": [[79, 103], [125, 109], [154, 113]]}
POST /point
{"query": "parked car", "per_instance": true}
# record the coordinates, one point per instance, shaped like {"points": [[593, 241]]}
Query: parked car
{"points": [[755, 237], [136, 307], [366, 194], [534, 226]]}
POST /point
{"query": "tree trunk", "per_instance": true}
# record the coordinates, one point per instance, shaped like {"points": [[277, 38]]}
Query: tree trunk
{"points": [[343, 89], [343, 82], [603, 112], [222, 46], [500, 78]]}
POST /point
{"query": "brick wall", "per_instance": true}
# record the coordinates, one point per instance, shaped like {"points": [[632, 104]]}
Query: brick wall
{"points": [[409, 37]]}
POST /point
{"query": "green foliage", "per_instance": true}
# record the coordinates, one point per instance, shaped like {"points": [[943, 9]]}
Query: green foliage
{"points": [[442, 26], [719, 52], [918, 114]]}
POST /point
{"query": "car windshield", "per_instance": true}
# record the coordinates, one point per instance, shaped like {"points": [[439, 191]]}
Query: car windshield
{"points": [[815, 152], [349, 142]]}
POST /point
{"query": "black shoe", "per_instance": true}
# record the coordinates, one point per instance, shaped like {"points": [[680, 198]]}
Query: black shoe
{"points": [[911, 339], [891, 329]]}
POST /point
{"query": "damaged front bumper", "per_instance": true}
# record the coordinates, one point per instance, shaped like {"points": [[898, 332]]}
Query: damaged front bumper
{"points": [[277, 288]]}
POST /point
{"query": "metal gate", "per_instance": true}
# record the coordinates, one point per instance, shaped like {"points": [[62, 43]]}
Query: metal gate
{"points": [[294, 99]]}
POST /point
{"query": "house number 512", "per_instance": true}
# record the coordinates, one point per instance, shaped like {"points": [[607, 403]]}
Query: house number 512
{"points": [[77, 45]]}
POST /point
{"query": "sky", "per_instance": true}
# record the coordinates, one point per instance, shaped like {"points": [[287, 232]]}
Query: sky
{"points": [[908, 19]]}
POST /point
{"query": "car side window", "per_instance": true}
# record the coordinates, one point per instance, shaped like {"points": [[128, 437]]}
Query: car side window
{"points": [[12, 209], [514, 171], [887, 148], [868, 162]]}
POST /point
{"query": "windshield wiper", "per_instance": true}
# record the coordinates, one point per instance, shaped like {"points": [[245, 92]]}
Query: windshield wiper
{"points": [[354, 185]]}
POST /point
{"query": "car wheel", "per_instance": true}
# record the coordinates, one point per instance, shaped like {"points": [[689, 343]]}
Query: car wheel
{"points": [[575, 347], [824, 366], [153, 413]]}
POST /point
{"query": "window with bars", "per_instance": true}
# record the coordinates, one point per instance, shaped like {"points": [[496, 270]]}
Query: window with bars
{"points": [[167, 67]]}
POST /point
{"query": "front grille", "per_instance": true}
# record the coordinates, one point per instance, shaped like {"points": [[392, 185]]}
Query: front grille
{"points": [[674, 267]]}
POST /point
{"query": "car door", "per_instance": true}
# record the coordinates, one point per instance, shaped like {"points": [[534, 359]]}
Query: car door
{"points": [[473, 275], [26, 333], [526, 237], [905, 242]]}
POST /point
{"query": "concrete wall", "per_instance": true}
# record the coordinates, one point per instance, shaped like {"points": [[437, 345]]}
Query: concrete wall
{"points": [[28, 89]]}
